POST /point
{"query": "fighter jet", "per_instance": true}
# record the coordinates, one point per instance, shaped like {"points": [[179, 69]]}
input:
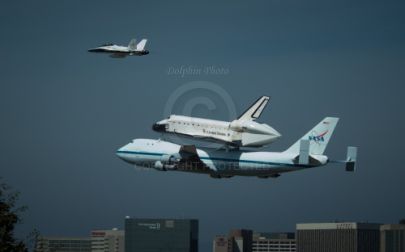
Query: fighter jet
{"points": [[308, 152], [117, 51], [242, 132]]}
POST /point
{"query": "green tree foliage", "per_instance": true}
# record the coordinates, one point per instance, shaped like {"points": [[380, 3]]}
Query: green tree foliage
{"points": [[9, 217]]}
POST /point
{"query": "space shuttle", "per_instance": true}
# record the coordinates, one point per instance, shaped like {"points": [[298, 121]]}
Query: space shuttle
{"points": [[241, 132]]}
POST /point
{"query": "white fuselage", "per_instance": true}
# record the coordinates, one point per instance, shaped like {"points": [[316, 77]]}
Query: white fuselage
{"points": [[118, 49], [221, 163], [236, 133]]}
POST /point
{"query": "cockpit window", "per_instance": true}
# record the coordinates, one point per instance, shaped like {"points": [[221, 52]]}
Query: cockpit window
{"points": [[108, 44]]}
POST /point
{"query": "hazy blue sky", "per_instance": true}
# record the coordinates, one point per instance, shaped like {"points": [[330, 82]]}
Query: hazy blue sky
{"points": [[65, 111]]}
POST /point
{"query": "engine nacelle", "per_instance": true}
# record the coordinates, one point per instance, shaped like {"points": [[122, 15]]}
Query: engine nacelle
{"points": [[166, 162]]}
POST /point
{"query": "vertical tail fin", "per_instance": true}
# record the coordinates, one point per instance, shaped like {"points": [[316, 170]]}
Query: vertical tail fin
{"points": [[141, 45], [255, 110], [318, 137], [132, 45], [351, 159]]}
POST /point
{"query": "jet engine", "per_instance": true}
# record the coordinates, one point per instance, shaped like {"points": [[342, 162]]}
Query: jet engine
{"points": [[166, 162]]}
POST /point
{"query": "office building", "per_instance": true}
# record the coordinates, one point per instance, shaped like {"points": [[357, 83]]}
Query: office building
{"points": [[108, 240], [392, 238], [338, 237], [220, 243], [273, 242], [63, 244], [238, 240], [156, 235]]}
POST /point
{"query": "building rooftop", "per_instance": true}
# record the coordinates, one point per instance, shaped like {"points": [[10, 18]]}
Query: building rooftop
{"points": [[338, 225]]}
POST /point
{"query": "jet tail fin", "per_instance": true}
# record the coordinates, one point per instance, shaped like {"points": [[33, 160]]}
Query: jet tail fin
{"points": [[255, 110], [132, 45], [351, 159], [141, 45], [318, 137]]}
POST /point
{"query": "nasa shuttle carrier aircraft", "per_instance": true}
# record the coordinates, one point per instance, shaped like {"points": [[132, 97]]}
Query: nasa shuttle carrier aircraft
{"points": [[307, 152], [241, 132]]}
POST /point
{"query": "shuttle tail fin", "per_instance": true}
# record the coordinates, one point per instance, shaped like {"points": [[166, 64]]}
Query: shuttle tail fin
{"points": [[255, 110], [318, 137], [132, 45], [141, 45]]}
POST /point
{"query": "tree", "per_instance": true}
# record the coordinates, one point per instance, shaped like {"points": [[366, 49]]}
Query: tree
{"points": [[9, 218], [402, 221]]}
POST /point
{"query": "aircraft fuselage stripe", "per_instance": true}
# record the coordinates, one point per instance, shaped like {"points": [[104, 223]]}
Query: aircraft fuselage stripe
{"points": [[217, 159]]}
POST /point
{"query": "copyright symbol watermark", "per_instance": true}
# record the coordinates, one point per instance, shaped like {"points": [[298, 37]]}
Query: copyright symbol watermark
{"points": [[199, 99]]}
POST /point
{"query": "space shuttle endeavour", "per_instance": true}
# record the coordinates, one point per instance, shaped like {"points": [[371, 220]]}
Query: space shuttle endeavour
{"points": [[241, 132]]}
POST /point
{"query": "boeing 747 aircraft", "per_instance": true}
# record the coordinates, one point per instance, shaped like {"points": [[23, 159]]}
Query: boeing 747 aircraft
{"points": [[242, 132], [123, 51], [308, 152]]}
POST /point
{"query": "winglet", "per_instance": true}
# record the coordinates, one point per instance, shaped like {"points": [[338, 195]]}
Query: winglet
{"points": [[351, 159], [255, 110]]}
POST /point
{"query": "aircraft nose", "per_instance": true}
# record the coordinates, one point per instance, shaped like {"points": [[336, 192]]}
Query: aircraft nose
{"points": [[159, 127], [120, 153], [123, 153]]}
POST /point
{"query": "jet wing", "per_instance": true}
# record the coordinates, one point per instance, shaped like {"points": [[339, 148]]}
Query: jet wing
{"points": [[190, 161], [118, 55]]}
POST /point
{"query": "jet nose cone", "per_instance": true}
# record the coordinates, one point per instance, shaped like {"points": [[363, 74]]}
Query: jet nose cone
{"points": [[159, 127]]}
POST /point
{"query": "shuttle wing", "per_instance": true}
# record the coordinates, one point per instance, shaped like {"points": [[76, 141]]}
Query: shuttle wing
{"points": [[254, 111]]}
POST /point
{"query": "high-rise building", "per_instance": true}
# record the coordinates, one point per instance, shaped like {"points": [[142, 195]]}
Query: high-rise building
{"points": [[392, 238], [238, 240], [108, 240], [63, 244], [273, 242], [338, 237], [220, 244], [156, 235]]}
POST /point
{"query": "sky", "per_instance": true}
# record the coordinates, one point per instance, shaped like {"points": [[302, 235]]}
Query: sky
{"points": [[64, 111]]}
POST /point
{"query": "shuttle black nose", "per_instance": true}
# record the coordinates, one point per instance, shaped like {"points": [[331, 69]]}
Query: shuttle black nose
{"points": [[159, 127]]}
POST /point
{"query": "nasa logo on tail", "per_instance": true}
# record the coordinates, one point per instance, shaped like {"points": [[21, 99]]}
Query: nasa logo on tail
{"points": [[317, 138]]}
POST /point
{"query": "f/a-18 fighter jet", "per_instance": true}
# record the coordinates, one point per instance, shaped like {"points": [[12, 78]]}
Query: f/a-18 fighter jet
{"points": [[116, 51]]}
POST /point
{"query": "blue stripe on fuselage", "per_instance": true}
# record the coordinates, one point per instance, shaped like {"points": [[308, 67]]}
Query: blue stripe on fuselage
{"points": [[215, 159]]}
